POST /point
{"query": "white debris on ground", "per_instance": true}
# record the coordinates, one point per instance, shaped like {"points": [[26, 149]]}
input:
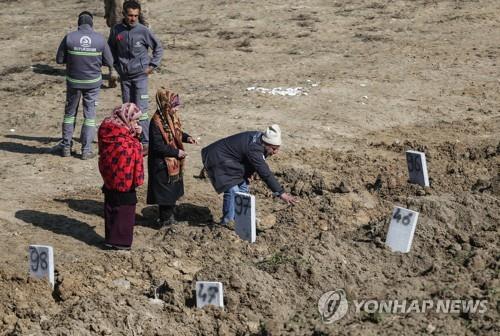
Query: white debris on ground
{"points": [[283, 91], [280, 91]]}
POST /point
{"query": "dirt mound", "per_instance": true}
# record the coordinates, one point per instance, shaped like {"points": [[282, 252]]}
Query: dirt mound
{"points": [[332, 239]]}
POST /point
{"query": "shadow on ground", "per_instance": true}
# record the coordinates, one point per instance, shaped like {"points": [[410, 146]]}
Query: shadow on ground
{"points": [[93, 207], [185, 212], [86, 206], [62, 225], [23, 149], [45, 69], [45, 140]]}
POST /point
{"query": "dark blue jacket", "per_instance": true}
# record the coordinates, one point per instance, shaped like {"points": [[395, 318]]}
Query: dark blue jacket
{"points": [[84, 52], [231, 160], [129, 46]]}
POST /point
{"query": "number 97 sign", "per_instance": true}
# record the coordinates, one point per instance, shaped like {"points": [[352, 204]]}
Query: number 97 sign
{"points": [[41, 262], [244, 216]]}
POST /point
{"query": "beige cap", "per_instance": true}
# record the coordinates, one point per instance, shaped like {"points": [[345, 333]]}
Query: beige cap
{"points": [[272, 135]]}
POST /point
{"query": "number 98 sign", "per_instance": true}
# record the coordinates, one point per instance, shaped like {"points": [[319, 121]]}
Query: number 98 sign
{"points": [[41, 262]]}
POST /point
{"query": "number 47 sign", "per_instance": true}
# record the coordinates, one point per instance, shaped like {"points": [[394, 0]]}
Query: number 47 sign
{"points": [[41, 262], [209, 293]]}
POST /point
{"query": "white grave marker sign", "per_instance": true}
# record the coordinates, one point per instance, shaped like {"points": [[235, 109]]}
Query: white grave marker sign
{"points": [[41, 262], [209, 293], [417, 168], [401, 229], [244, 216]]}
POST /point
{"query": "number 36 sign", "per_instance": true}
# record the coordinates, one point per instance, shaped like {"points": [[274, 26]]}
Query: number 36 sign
{"points": [[417, 168], [41, 262]]}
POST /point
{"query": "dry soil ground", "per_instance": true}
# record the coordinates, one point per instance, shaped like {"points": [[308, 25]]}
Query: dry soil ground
{"points": [[381, 77]]}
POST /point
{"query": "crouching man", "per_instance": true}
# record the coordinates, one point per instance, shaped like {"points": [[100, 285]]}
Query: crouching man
{"points": [[230, 162]]}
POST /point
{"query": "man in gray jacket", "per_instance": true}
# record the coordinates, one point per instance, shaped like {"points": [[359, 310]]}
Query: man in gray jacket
{"points": [[129, 42], [83, 51], [113, 13]]}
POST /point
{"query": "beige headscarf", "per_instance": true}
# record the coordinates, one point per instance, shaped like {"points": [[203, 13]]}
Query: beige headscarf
{"points": [[168, 121]]}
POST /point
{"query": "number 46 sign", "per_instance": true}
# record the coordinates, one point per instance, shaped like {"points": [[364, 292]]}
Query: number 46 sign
{"points": [[401, 229], [41, 262]]}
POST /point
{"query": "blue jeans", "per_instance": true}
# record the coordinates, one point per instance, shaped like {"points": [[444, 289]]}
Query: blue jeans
{"points": [[228, 203]]}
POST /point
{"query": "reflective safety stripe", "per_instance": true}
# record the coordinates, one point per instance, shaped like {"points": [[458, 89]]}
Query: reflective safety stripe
{"points": [[69, 120], [85, 53], [144, 96], [83, 81], [89, 122], [144, 116]]}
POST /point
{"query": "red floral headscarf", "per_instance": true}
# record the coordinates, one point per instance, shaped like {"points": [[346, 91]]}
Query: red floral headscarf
{"points": [[124, 115]]}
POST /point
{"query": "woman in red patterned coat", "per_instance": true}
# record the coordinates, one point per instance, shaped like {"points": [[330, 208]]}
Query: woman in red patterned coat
{"points": [[121, 167]]}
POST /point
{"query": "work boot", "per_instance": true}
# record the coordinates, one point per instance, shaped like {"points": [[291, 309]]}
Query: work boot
{"points": [[61, 150], [65, 151], [88, 155]]}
